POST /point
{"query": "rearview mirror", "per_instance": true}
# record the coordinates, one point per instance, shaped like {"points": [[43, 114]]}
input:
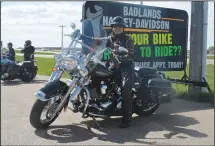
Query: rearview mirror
{"points": [[72, 25]]}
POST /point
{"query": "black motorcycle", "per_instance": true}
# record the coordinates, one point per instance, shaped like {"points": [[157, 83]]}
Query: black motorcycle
{"points": [[149, 89], [11, 70]]}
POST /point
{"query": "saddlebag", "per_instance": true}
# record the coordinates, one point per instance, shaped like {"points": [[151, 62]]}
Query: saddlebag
{"points": [[163, 87], [13, 69]]}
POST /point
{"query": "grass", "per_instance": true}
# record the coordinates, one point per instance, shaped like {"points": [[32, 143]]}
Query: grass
{"points": [[208, 57], [56, 50], [39, 53], [44, 65], [182, 90], [45, 68], [179, 74]]}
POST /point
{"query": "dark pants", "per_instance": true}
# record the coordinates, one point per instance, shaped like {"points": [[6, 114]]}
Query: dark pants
{"points": [[123, 73], [28, 57], [124, 78]]}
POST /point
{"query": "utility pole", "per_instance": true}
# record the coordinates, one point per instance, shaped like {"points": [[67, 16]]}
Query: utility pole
{"points": [[198, 43], [62, 26], [141, 2]]}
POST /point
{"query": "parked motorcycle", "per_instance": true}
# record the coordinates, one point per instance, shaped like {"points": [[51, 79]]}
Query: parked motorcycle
{"points": [[11, 70], [149, 89]]}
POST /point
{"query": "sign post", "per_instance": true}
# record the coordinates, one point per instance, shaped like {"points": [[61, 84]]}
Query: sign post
{"points": [[198, 49]]}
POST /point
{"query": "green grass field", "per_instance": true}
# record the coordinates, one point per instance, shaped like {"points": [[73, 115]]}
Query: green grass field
{"points": [[39, 53], [50, 53], [45, 68], [208, 57]]}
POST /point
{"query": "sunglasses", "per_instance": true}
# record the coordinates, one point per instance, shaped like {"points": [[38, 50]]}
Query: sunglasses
{"points": [[119, 26]]}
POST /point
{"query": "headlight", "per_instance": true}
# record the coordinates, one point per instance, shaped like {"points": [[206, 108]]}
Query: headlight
{"points": [[70, 62]]}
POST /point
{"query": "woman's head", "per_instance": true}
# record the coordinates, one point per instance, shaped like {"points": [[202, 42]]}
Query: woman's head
{"points": [[118, 25]]}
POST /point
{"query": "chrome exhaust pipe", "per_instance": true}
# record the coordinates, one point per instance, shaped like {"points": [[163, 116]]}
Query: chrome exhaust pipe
{"points": [[97, 116]]}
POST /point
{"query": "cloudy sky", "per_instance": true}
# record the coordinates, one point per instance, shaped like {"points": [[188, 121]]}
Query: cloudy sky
{"points": [[39, 21]]}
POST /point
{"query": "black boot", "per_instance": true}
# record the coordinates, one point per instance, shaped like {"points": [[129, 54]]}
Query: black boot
{"points": [[125, 124], [126, 121]]}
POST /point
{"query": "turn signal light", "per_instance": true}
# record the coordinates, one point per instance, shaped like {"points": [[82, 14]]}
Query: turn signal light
{"points": [[54, 69]]}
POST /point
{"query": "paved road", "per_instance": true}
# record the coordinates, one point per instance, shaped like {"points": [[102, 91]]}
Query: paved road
{"points": [[209, 61], [181, 122]]}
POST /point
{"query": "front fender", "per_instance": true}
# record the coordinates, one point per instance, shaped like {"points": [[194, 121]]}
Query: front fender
{"points": [[50, 89]]}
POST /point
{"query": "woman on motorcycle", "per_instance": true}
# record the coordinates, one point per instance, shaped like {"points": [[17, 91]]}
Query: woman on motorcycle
{"points": [[124, 69]]}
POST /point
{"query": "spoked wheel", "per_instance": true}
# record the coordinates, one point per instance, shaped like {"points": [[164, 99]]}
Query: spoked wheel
{"points": [[41, 115], [145, 107], [48, 112]]}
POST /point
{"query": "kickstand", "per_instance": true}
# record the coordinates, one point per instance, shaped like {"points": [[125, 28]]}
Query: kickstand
{"points": [[97, 124]]}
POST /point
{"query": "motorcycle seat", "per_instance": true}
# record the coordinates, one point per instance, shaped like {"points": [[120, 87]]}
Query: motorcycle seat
{"points": [[145, 70], [25, 63]]}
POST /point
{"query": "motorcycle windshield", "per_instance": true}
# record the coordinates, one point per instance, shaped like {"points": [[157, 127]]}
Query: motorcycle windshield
{"points": [[94, 38], [90, 43]]}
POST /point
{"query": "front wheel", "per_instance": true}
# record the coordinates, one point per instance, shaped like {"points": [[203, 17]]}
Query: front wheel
{"points": [[46, 109]]}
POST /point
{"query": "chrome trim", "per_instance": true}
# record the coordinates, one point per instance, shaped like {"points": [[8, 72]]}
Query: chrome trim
{"points": [[106, 104], [56, 75], [75, 93], [88, 99], [97, 107], [97, 115], [41, 96], [65, 97]]}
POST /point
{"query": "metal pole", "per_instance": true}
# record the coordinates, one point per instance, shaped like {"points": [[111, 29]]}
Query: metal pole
{"points": [[141, 2], [62, 26], [196, 44], [204, 43]]}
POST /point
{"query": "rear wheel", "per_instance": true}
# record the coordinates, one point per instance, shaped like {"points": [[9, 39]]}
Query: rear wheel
{"points": [[145, 109], [28, 75], [147, 101], [46, 109]]}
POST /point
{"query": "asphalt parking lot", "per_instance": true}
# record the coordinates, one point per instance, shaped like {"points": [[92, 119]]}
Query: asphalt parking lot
{"points": [[179, 123]]}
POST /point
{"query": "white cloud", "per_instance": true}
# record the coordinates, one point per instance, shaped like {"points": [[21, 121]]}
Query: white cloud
{"points": [[39, 21]]}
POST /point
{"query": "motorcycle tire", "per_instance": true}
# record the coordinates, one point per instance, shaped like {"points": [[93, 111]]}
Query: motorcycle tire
{"points": [[35, 114], [26, 78], [141, 112]]}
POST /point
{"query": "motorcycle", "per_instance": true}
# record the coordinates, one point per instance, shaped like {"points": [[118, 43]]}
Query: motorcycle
{"points": [[11, 70], [149, 89]]}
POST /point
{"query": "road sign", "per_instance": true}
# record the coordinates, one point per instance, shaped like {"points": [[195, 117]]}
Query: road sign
{"points": [[159, 34]]}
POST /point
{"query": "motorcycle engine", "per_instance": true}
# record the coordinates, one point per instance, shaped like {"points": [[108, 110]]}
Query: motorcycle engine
{"points": [[101, 89]]}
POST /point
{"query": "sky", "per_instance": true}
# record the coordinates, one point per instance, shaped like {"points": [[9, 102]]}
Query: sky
{"points": [[40, 21]]}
